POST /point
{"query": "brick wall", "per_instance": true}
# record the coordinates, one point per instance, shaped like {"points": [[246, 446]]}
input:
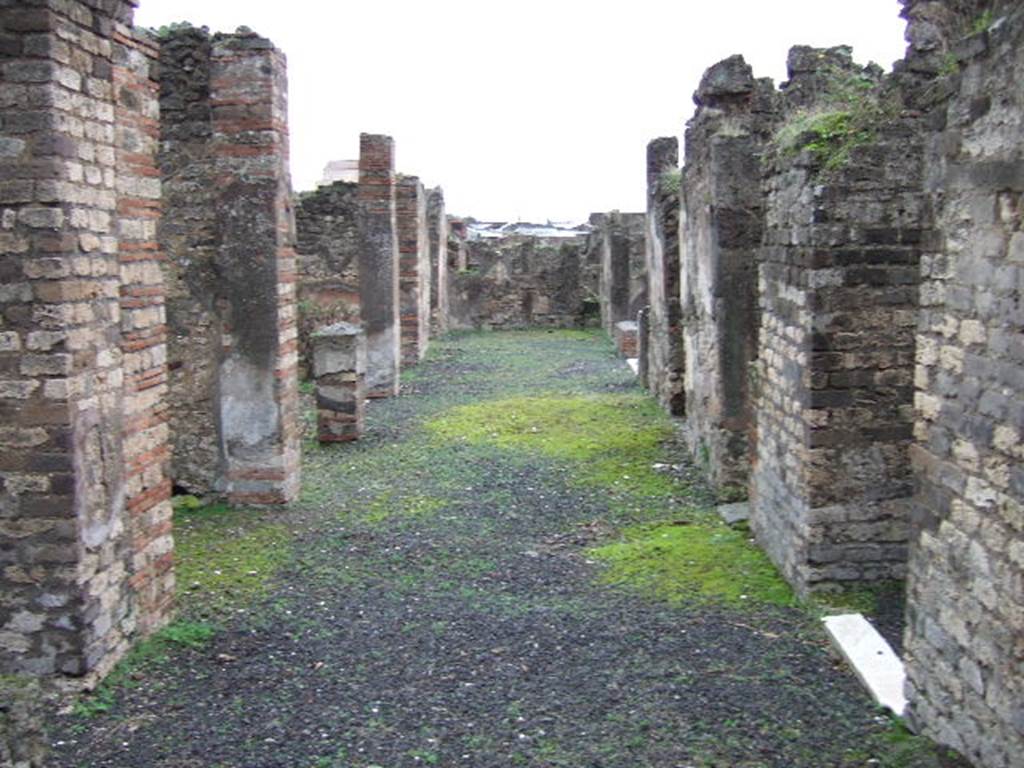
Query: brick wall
{"points": [[965, 599], [83, 518], [143, 326]]}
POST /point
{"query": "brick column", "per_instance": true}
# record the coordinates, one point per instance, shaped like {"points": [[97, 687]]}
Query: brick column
{"points": [[437, 230], [378, 264], [67, 606], [724, 214], [258, 384], [143, 328], [414, 268], [666, 363]]}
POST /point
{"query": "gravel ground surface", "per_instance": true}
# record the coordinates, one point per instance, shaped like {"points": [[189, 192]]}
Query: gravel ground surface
{"points": [[434, 600]]}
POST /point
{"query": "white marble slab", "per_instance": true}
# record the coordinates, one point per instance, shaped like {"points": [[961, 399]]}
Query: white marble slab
{"points": [[871, 657]]}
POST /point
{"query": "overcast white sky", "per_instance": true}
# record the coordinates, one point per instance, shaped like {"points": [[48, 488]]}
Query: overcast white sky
{"points": [[533, 109]]}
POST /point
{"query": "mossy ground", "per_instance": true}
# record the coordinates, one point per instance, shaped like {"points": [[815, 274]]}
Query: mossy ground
{"points": [[516, 566]]}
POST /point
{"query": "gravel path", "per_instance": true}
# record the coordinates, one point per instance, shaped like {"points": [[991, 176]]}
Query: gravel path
{"points": [[439, 606]]}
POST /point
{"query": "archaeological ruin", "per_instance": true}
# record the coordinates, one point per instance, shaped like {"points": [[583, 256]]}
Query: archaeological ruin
{"points": [[825, 292]]}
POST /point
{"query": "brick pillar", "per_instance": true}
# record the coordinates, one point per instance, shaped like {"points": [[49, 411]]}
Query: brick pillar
{"points": [[414, 268], [143, 329], [666, 363], [258, 382], [437, 230], [378, 264], [724, 214], [67, 605]]}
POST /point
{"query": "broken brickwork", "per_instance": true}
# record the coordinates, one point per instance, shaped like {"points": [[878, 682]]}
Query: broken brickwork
{"points": [[965, 615], [831, 482], [665, 355], [518, 282], [378, 264], [339, 369], [721, 232], [437, 233], [231, 266], [328, 242], [414, 267], [84, 512]]}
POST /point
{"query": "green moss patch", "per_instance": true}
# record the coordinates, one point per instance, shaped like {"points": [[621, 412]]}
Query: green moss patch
{"points": [[612, 440], [154, 651], [694, 563], [225, 558]]}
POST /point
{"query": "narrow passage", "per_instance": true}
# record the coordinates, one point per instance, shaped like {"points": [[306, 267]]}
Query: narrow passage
{"points": [[516, 567]]}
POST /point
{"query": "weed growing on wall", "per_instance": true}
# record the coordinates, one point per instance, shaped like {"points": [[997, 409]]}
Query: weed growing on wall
{"points": [[848, 117]]}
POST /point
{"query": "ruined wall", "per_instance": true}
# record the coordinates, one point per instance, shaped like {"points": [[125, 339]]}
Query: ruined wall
{"points": [[617, 247], [838, 286], [665, 354], [328, 242], [437, 233], [231, 266], [378, 264], [414, 267], [965, 616], [519, 281], [720, 234], [84, 519]]}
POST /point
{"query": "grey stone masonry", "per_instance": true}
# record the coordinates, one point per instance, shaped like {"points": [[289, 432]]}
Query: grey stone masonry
{"points": [[378, 264], [722, 225], [838, 291], [965, 617], [437, 232], [339, 369], [665, 355]]}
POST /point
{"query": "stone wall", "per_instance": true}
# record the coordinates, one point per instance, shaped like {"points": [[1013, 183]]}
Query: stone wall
{"points": [[665, 354], [229, 238], [838, 287], [84, 519], [721, 229], [378, 264], [617, 245], [437, 233], [965, 617], [414, 267], [327, 231], [519, 281]]}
